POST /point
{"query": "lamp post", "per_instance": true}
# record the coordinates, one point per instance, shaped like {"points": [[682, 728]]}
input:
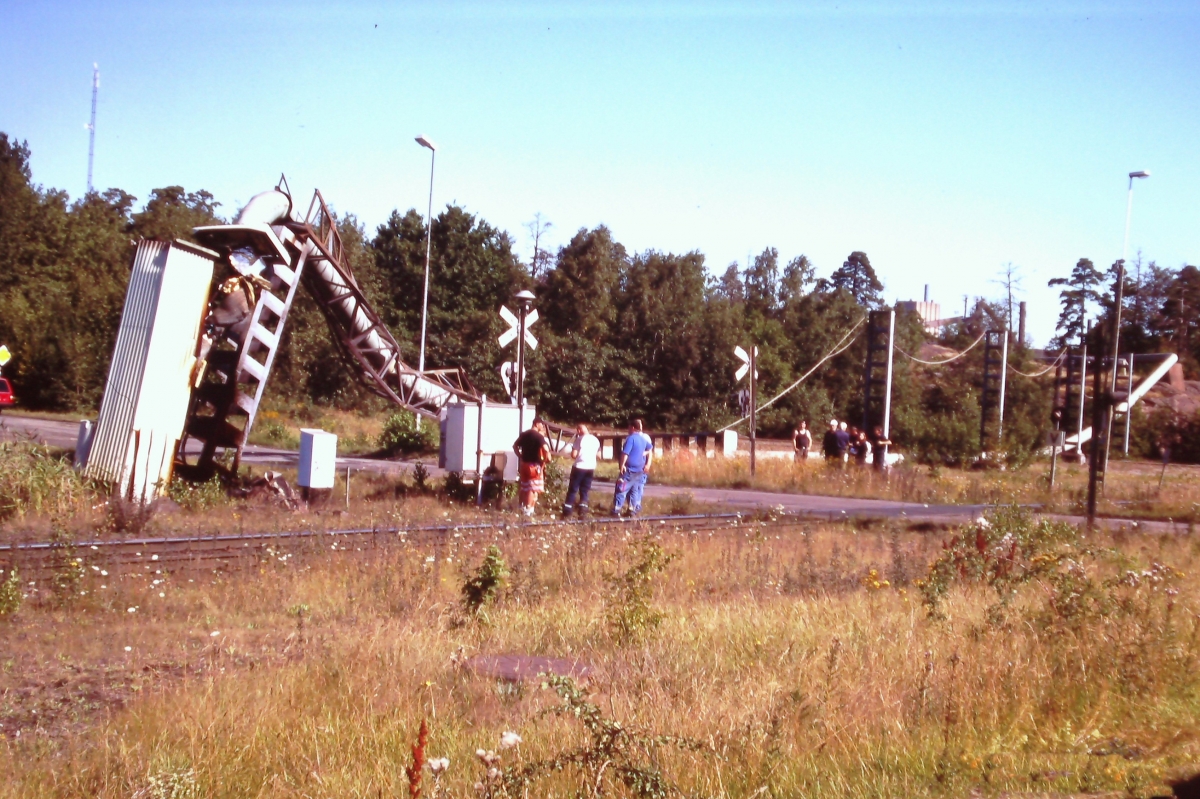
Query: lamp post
{"points": [[1141, 173], [525, 299], [425, 142]]}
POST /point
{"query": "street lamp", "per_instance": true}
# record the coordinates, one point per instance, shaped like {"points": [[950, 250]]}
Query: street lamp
{"points": [[1141, 173], [425, 142]]}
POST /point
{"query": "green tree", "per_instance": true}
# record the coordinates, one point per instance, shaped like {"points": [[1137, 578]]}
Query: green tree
{"points": [[578, 294], [1077, 291], [857, 276], [172, 212]]}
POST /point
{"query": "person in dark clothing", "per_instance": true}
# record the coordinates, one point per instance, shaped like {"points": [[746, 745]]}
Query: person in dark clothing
{"points": [[879, 445], [533, 453], [843, 442], [830, 445]]}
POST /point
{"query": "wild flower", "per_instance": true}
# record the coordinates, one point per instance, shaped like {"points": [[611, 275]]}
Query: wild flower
{"points": [[510, 739], [439, 765]]}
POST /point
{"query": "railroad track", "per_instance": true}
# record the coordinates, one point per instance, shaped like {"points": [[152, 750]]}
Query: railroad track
{"points": [[180, 553]]}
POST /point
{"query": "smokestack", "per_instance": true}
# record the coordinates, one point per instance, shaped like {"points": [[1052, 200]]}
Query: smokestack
{"points": [[926, 292], [1021, 324]]}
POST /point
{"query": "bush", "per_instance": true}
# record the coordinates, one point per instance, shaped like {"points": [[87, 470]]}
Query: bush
{"points": [[630, 615], [195, 497], [401, 436]]}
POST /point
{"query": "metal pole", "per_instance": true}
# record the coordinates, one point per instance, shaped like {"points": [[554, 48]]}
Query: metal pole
{"points": [[1058, 444], [428, 250], [887, 387], [521, 368], [1003, 386], [1128, 217], [1097, 430], [1082, 391], [1109, 403], [1128, 407], [753, 403], [479, 453]]}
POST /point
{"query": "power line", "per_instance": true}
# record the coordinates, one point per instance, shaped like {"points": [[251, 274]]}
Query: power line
{"points": [[1057, 361], [947, 360], [837, 350]]}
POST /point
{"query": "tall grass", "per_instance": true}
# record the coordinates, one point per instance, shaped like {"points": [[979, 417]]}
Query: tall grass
{"points": [[36, 480], [801, 661]]}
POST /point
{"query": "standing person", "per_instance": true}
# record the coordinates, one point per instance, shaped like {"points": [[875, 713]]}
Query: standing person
{"points": [[801, 441], [862, 449], [878, 446], [584, 450], [829, 444], [843, 442], [635, 460], [533, 453]]}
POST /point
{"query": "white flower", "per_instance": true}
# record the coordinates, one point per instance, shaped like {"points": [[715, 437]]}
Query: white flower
{"points": [[982, 522], [510, 739], [493, 773], [439, 765], [154, 557], [482, 755], [161, 594], [214, 633], [128, 649], [132, 610]]}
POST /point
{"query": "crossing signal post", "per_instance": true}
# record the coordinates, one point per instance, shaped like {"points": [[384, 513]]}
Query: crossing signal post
{"points": [[995, 368], [749, 364], [519, 330], [877, 377]]}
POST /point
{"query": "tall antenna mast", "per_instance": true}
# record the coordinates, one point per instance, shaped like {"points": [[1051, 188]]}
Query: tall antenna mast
{"points": [[92, 124]]}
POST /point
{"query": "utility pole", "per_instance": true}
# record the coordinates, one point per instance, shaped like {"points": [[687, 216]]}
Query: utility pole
{"points": [[753, 404], [92, 124]]}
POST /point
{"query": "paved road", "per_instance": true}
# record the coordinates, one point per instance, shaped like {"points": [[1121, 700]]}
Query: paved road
{"points": [[62, 434]]}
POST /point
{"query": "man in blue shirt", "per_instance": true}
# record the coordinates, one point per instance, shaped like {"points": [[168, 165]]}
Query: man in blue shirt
{"points": [[635, 460]]}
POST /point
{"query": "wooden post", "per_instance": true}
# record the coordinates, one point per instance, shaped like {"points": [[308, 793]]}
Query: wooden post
{"points": [[753, 403]]}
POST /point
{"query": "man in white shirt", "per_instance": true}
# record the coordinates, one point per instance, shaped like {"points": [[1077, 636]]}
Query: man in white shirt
{"points": [[585, 450]]}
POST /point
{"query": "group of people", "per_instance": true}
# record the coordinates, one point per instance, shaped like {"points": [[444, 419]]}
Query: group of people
{"points": [[533, 452], [842, 444]]}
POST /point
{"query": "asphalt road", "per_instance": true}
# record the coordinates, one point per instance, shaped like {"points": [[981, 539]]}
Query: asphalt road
{"points": [[59, 433]]}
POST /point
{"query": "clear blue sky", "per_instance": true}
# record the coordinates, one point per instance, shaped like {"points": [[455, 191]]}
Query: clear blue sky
{"points": [[944, 139]]}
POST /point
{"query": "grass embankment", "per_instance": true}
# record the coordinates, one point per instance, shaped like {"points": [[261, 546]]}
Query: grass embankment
{"points": [[806, 660], [1132, 487]]}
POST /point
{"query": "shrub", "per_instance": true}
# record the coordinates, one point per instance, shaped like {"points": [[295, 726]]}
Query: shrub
{"points": [[401, 435], [485, 584], [629, 612]]}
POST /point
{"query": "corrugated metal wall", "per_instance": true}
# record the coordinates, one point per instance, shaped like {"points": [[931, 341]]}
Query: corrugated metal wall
{"points": [[145, 399]]}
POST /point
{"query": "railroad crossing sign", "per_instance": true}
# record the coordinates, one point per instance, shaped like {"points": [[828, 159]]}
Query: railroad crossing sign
{"points": [[514, 324], [745, 359], [508, 370]]}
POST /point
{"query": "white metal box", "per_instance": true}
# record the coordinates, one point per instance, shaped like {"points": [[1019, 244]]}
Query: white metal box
{"points": [[461, 440], [318, 458], [149, 384]]}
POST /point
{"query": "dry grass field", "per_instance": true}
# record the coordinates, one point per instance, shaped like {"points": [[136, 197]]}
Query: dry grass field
{"points": [[1008, 658], [1133, 487]]}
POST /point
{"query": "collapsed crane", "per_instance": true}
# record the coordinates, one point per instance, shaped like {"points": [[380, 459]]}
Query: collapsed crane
{"points": [[221, 351], [272, 252]]}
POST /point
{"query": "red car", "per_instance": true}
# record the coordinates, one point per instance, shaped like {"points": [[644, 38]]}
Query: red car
{"points": [[7, 399]]}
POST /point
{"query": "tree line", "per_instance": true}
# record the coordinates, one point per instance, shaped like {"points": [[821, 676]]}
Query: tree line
{"points": [[623, 334]]}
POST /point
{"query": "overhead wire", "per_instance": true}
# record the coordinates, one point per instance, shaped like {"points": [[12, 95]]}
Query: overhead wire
{"points": [[838, 349], [947, 360], [1056, 362]]}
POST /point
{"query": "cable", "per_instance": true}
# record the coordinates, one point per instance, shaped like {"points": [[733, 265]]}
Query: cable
{"points": [[948, 360], [1057, 361], [837, 350]]}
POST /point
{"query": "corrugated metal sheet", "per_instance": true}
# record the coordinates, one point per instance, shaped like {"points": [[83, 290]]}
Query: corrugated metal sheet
{"points": [[146, 396]]}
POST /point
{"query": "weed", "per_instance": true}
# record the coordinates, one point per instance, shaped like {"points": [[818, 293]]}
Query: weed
{"points": [[414, 772], [486, 582], [171, 784], [123, 516], [629, 612], [681, 503], [613, 753], [196, 497], [33, 479], [10, 593], [421, 478]]}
